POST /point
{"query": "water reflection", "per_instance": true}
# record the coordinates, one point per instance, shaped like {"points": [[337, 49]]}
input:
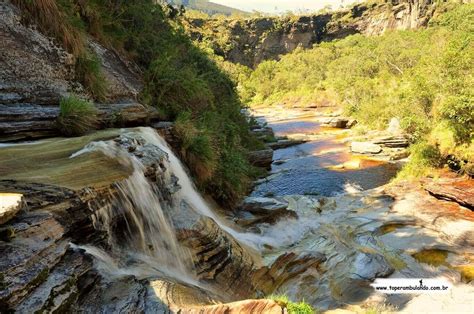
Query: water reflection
{"points": [[320, 167]]}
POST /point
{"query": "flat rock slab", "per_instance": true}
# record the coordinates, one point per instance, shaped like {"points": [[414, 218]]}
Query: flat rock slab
{"points": [[10, 204], [459, 191], [365, 148], [286, 143], [49, 162]]}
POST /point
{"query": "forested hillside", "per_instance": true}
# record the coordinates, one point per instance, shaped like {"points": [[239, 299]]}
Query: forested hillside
{"points": [[423, 77], [207, 7]]}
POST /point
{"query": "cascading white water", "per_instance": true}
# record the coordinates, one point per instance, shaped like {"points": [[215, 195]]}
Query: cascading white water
{"points": [[189, 193], [150, 246]]}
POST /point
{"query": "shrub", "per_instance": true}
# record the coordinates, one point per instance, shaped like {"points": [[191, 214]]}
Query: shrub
{"points": [[76, 116], [293, 307], [423, 158], [196, 148]]}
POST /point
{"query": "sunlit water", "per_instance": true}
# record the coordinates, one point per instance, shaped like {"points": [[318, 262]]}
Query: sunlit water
{"points": [[309, 168]]}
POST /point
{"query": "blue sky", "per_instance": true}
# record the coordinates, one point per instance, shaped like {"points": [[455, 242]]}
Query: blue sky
{"points": [[279, 6]]}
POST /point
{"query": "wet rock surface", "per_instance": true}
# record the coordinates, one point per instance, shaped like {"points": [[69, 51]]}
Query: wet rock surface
{"points": [[256, 210]]}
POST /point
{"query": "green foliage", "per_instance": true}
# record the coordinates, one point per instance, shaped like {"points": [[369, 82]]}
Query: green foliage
{"points": [[423, 77], [293, 307], [423, 158], [76, 116]]}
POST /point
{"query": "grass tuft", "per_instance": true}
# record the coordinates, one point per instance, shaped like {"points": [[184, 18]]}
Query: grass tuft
{"points": [[89, 73], [76, 117]]}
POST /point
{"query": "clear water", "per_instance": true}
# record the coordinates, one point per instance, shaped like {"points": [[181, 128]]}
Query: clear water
{"points": [[309, 168]]}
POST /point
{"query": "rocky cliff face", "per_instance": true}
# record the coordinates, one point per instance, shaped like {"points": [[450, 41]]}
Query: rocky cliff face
{"points": [[35, 73], [252, 41]]}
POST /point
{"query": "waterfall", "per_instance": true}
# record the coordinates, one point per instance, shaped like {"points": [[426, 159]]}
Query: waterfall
{"points": [[147, 246], [189, 193]]}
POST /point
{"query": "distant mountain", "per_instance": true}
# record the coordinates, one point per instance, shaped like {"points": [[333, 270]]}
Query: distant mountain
{"points": [[207, 6]]}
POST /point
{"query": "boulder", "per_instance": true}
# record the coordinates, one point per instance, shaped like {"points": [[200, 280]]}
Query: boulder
{"points": [[394, 127], [365, 148], [10, 204], [257, 210], [263, 132], [261, 158], [340, 122], [351, 123]]}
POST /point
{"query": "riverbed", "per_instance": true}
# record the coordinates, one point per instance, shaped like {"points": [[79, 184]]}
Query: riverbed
{"points": [[366, 227], [323, 165]]}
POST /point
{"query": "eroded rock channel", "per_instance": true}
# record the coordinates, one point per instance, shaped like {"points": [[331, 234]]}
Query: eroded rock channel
{"points": [[112, 222]]}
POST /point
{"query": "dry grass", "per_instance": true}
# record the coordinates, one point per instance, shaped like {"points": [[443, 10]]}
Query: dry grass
{"points": [[50, 20]]}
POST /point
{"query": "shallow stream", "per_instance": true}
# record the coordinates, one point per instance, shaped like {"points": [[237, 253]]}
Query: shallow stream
{"points": [[315, 167]]}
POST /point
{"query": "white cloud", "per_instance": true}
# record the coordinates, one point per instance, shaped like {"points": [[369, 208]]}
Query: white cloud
{"points": [[278, 6]]}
